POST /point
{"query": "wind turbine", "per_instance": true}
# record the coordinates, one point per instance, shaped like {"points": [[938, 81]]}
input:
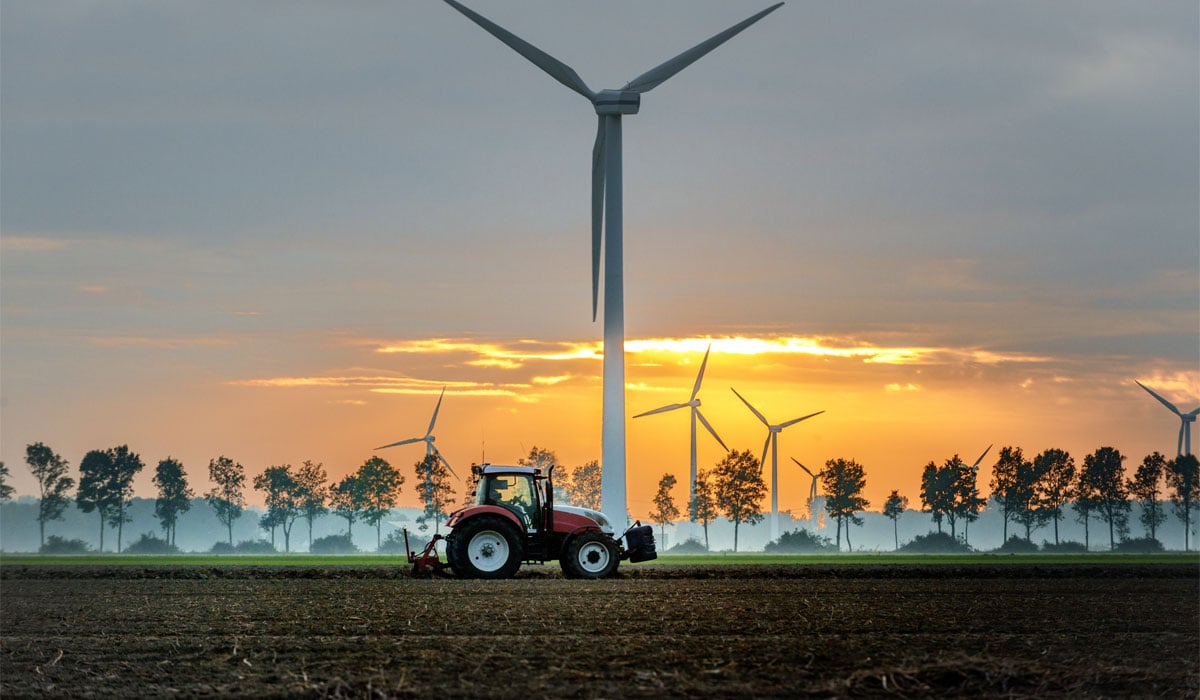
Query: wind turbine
{"points": [[430, 448], [773, 442], [610, 106], [694, 404], [812, 491], [1184, 446]]}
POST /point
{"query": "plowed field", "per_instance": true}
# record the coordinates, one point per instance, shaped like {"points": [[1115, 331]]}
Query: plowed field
{"points": [[761, 631]]}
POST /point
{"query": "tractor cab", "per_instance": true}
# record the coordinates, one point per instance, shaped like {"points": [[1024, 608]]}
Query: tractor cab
{"points": [[520, 490]]}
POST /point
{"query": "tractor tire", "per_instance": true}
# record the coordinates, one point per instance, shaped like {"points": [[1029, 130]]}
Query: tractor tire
{"points": [[590, 555], [485, 546]]}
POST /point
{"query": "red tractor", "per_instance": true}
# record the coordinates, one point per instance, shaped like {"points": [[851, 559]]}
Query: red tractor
{"points": [[514, 519]]}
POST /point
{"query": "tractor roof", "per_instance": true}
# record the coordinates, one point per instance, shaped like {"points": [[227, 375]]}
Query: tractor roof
{"points": [[502, 469]]}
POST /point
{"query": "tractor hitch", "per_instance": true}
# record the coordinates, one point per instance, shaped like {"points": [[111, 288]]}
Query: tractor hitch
{"points": [[426, 563]]}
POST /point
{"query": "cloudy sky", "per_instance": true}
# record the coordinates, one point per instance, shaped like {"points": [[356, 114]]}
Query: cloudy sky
{"points": [[275, 231]]}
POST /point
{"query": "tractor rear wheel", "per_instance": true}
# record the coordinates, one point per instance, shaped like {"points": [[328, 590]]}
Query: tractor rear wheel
{"points": [[590, 555], [485, 546]]}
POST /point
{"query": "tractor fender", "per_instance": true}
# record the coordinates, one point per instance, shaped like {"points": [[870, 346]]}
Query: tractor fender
{"points": [[458, 516]]}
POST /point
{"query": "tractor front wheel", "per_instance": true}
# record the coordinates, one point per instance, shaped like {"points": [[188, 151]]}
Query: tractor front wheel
{"points": [[590, 555], [485, 546]]}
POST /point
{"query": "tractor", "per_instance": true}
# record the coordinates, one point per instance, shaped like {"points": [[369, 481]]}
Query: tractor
{"points": [[514, 520]]}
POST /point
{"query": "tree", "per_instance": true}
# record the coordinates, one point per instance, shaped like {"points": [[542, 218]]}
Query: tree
{"points": [[226, 497], [1145, 487], [585, 489], [380, 484], [937, 493], [125, 466], [95, 470], [311, 492], [1054, 490], [665, 510], [738, 489], [1104, 475], [278, 483], [1010, 487], [346, 499], [966, 502], [545, 460], [50, 470], [6, 489], [893, 507], [174, 495], [1183, 476], [434, 490], [843, 481], [703, 506], [1026, 508]]}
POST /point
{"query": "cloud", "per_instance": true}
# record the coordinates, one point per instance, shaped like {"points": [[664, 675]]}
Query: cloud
{"points": [[902, 387], [160, 343], [30, 244]]}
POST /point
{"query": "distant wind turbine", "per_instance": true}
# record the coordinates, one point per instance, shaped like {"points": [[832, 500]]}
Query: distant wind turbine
{"points": [[610, 106], [430, 448], [773, 442], [694, 404], [1184, 446], [812, 491]]}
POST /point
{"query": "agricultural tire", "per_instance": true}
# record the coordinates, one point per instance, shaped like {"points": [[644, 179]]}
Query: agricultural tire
{"points": [[590, 555], [485, 546]]}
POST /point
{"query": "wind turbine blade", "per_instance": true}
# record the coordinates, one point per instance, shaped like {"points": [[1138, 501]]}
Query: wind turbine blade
{"points": [[1182, 433], [664, 409], [439, 456], [700, 374], [554, 67], [1161, 400], [976, 464], [655, 76], [762, 463], [710, 429], [797, 420], [402, 442], [806, 469], [753, 409], [597, 212], [436, 408]]}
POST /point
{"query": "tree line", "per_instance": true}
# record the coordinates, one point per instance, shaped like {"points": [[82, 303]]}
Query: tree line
{"points": [[291, 494]]}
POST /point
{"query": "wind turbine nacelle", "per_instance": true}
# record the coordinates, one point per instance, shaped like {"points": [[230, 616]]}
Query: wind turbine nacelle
{"points": [[617, 102]]}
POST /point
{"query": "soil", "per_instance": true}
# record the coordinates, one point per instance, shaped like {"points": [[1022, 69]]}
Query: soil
{"points": [[752, 631]]}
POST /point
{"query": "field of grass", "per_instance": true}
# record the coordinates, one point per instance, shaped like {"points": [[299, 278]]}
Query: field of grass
{"points": [[720, 559]]}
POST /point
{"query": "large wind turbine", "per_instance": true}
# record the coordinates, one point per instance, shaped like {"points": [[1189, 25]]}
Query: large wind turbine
{"points": [[610, 106], [694, 404], [773, 442], [430, 448], [1184, 446]]}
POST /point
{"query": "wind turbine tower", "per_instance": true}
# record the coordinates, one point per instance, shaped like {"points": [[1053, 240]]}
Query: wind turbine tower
{"points": [[610, 106], [1184, 446], [773, 442], [812, 490], [694, 404], [428, 439]]}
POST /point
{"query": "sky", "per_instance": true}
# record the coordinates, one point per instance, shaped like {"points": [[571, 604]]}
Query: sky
{"points": [[275, 231]]}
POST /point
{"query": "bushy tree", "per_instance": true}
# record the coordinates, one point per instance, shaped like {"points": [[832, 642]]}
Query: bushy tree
{"points": [[1183, 476], [703, 506], [312, 492], [95, 470], [1146, 487], [346, 499], [967, 501], [6, 489], [434, 489], [1058, 479], [585, 487], [126, 465], [894, 507], [174, 495], [50, 471], [278, 484], [380, 484], [227, 496], [738, 489], [937, 493], [843, 481], [1103, 473], [1013, 488], [544, 459], [665, 511]]}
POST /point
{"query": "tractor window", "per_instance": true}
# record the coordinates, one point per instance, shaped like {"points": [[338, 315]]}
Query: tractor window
{"points": [[514, 492]]}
